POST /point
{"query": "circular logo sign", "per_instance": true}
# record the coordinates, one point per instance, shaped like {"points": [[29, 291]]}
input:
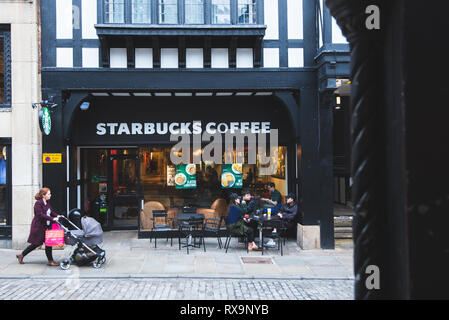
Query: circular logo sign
{"points": [[45, 121]]}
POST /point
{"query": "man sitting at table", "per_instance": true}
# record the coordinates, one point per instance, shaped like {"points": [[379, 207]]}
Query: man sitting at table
{"points": [[275, 197], [288, 212], [248, 204]]}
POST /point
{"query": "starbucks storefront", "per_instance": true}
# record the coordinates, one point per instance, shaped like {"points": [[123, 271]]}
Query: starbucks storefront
{"points": [[131, 155]]}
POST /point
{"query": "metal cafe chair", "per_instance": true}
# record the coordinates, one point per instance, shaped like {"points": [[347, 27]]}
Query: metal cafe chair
{"points": [[212, 226], [189, 210], [160, 223], [190, 230], [279, 236]]}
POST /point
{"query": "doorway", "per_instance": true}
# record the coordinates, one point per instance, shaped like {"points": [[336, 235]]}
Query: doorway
{"points": [[111, 186]]}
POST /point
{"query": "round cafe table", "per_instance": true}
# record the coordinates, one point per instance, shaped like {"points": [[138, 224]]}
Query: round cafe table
{"points": [[265, 220]]}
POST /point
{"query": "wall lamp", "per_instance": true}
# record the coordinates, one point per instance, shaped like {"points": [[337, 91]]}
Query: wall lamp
{"points": [[44, 104], [85, 105]]}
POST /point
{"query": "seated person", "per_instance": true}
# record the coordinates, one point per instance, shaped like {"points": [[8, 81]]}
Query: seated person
{"points": [[275, 197], [288, 211], [248, 206], [236, 223]]}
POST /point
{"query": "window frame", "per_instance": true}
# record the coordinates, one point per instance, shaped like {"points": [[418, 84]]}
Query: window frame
{"points": [[6, 230], [204, 5], [181, 14], [150, 4], [177, 4], [254, 6], [5, 34]]}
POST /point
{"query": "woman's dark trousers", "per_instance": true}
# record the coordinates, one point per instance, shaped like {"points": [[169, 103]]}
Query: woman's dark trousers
{"points": [[31, 247]]}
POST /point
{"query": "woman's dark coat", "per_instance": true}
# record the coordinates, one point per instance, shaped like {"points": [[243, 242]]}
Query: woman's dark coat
{"points": [[42, 213], [235, 222]]}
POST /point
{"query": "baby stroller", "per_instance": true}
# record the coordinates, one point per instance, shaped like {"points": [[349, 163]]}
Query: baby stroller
{"points": [[85, 243]]}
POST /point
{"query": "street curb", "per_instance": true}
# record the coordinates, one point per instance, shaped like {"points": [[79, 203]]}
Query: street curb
{"points": [[173, 276]]}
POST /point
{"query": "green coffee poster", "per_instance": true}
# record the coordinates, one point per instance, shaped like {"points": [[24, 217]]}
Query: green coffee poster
{"points": [[185, 177], [231, 176]]}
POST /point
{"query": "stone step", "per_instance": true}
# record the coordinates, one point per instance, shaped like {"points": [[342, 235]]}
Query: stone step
{"points": [[342, 223], [343, 230], [345, 235], [344, 243]]}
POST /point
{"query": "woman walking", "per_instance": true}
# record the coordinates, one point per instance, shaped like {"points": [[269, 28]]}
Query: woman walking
{"points": [[43, 217]]}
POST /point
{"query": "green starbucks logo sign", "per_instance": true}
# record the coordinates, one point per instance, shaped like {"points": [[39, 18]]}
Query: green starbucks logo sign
{"points": [[45, 121]]}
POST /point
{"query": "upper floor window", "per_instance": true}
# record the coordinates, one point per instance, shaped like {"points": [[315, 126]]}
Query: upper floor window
{"points": [[180, 11], [114, 11], [168, 11], [247, 11], [5, 67], [221, 11], [194, 11], [141, 11]]}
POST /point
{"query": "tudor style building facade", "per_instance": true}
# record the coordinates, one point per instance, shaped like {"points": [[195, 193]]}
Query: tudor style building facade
{"points": [[161, 61]]}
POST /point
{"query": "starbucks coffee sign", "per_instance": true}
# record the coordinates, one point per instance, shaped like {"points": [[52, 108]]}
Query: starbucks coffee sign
{"points": [[45, 121]]}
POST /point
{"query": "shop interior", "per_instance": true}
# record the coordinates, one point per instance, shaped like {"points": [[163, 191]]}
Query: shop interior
{"points": [[119, 183]]}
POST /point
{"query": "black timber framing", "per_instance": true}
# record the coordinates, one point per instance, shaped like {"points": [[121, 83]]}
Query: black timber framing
{"points": [[176, 79]]}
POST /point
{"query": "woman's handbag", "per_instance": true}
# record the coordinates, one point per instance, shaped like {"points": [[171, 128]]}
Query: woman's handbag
{"points": [[54, 237]]}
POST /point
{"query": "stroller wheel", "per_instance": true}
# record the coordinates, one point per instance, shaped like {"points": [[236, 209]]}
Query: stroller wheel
{"points": [[98, 263], [64, 264]]}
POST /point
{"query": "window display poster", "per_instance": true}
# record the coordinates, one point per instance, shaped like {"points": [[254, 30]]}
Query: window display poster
{"points": [[185, 177], [171, 173], [231, 176]]}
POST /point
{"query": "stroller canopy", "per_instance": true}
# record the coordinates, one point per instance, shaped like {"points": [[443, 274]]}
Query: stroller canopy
{"points": [[91, 227]]}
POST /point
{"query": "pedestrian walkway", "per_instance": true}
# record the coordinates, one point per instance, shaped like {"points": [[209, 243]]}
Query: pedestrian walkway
{"points": [[128, 256]]}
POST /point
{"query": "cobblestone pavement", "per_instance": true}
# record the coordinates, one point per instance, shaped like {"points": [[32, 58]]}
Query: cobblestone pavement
{"points": [[174, 289]]}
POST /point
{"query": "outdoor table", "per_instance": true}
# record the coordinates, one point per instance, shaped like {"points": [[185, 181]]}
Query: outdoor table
{"points": [[264, 220], [190, 221]]}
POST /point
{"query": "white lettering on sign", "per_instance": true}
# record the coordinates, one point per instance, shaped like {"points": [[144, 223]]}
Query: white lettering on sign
{"points": [[195, 127]]}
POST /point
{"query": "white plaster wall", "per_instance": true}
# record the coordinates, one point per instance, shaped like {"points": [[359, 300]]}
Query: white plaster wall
{"points": [[169, 58], [295, 19], [271, 57], [219, 58], [91, 57], [144, 58], [295, 57], [64, 57], [89, 19], [337, 35], [64, 19], [194, 58], [271, 19], [244, 57], [118, 58]]}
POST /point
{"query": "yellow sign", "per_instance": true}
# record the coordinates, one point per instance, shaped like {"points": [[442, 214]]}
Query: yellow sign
{"points": [[52, 158]]}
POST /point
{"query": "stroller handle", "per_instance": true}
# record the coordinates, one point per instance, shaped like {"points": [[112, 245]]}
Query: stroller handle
{"points": [[72, 224]]}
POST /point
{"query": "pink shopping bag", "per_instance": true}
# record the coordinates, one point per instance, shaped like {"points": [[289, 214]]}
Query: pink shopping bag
{"points": [[54, 237]]}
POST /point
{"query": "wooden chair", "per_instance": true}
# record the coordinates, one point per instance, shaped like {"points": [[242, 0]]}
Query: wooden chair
{"points": [[221, 207], [146, 222]]}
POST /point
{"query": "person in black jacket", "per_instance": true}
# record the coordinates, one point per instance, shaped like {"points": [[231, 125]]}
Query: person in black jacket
{"points": [[288, 211]]}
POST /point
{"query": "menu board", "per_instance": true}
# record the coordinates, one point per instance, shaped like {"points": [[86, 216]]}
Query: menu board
{"points": [[171, 172], [231, 176], [185, 177]]}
